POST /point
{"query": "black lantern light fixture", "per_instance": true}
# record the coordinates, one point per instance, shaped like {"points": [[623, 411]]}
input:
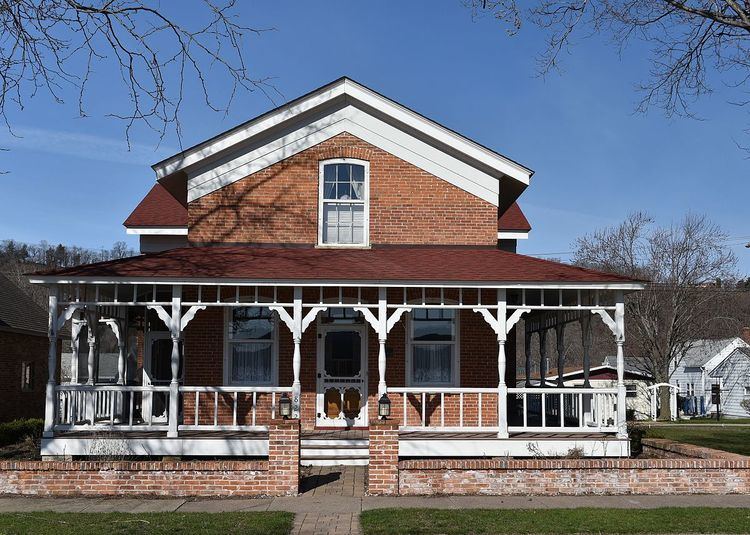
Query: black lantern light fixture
{"points": [[384, 407], [285, 406]]}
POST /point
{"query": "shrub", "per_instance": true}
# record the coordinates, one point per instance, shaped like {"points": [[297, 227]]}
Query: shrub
{"points": [[19, 430]]}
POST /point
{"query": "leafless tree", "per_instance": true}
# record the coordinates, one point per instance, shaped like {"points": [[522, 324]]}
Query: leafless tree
{"points": [[688, 269], [52, 45], [690, 40]]}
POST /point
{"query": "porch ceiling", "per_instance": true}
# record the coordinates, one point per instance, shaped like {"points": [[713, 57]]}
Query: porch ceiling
{"points": [[409, 265]]}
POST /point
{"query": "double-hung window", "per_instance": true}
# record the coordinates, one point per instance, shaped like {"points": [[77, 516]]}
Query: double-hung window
{"points": [[433, 347], [344, 210], [251, 346]]}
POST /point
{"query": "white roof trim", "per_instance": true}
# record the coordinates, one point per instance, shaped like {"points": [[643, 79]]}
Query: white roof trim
{"points": [[53, 279], [513, 235], [158, 231], [316, 99], [722, 355], [361, 124]]}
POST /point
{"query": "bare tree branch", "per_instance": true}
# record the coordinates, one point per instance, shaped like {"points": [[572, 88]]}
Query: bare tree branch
{"points": [[52, 45]]}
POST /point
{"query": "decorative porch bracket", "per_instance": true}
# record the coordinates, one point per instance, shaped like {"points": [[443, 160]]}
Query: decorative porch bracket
{"points": [[297, 323], [501, 325], [176, 323], [617, 326], [56, 322], [382, 325]]}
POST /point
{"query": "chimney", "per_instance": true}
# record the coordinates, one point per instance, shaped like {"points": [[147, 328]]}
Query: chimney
{"points": [[745, 334]]}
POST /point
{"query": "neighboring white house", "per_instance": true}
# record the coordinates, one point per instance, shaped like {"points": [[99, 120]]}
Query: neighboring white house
{"points": [[637, 381], [710, 362], [733, 374]]}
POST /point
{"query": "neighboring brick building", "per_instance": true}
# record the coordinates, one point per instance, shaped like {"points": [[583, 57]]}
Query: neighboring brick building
{"points": [[333, 253], [23, 353]]}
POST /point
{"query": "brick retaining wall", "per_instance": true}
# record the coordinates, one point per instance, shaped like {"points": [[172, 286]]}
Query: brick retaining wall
{"points": [[706, 472], [278, 476], [661, 448]]}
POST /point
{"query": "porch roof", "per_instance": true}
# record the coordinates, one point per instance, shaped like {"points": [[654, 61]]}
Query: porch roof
{"points": [[318, 265]]}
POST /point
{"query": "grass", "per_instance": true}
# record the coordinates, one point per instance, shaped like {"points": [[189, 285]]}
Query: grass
{"points": [[271, 523], [735, 440], [713, 421], [585, 520]]}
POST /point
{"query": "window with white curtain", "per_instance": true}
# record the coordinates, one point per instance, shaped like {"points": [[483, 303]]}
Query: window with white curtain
{"points": [[344, 211], [433, 347], [251, 346]]}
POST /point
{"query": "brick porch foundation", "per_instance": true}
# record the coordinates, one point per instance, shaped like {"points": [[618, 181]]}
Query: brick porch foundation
{"points": [[688, 470], [277, 476]]}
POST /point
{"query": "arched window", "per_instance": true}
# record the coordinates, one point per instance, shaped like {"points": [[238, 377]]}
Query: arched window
{"points": [[344, 203]]}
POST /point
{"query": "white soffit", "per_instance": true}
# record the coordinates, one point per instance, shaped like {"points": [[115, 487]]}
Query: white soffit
{"points": [[513, 235], [343, 106], [156, 231]]}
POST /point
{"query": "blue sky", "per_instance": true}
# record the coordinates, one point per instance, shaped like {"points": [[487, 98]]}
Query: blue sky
{"points": [[73, 180]]}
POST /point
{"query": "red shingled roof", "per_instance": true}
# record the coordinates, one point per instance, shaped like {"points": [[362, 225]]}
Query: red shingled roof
{"points": [[513, 220], [158, 208], [412, 264]]}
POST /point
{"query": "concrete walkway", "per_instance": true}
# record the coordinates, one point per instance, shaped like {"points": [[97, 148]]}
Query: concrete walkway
{"points": [[351, 505]]}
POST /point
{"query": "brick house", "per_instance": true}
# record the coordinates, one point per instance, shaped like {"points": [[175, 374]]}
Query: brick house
{"points": [[336, 256], [23, 353]]}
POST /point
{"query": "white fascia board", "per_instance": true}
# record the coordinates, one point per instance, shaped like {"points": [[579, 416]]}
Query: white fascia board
{"points": [[513, 235], [437, 132], [52, 279], [366, 96], [722, 355], [366, 127], [253, 128], [158, 231]]}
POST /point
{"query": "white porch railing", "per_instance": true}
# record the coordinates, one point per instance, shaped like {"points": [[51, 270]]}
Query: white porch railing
{"points": [[106, 407], [211, 398], [542, 410], [464, 409], [132, 408], [565, 410]]}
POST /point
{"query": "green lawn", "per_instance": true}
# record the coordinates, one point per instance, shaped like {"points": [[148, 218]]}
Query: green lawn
{"points": [[475, 521], [259, 523], [733, 439], [722, 421]]}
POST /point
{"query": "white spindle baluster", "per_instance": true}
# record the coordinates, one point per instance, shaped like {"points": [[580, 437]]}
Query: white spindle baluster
{"points": [[216, 408], [442, 409], [480, 409], [424, 410], [197, 401], [254, 405], [461, 409], [544, 411], [562, 407], [525, 411], [234, 409]]}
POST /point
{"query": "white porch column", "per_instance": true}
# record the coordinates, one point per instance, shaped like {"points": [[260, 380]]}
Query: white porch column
{"points": [[174, 384], [50, 401], [382, 337], [586, 344], [297, 356], [75, 334], [502, 387], [622, 426], [92, 337]]}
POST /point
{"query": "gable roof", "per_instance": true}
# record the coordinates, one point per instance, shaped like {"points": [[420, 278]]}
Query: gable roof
{"points": [[709, 353], [741, 351], [347, 106], [18, 311], [375, 266], [159, 208], [513, 219]]}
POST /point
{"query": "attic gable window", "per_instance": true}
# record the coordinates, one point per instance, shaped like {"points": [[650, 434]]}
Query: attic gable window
{"points": [[344, 203]]}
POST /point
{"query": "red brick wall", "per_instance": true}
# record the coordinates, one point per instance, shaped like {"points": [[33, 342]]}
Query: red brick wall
{"points": [[549, 477], [14, 349], [204, 341], [660, 448], [278, 476], [382, 473], [279, 204]]}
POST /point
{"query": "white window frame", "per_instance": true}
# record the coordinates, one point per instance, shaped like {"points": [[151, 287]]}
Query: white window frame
{"points": [[228, 341], [455, 369], [366, 231]]}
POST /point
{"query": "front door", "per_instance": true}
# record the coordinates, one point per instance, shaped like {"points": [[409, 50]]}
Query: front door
{"points": [[342, 376]]}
